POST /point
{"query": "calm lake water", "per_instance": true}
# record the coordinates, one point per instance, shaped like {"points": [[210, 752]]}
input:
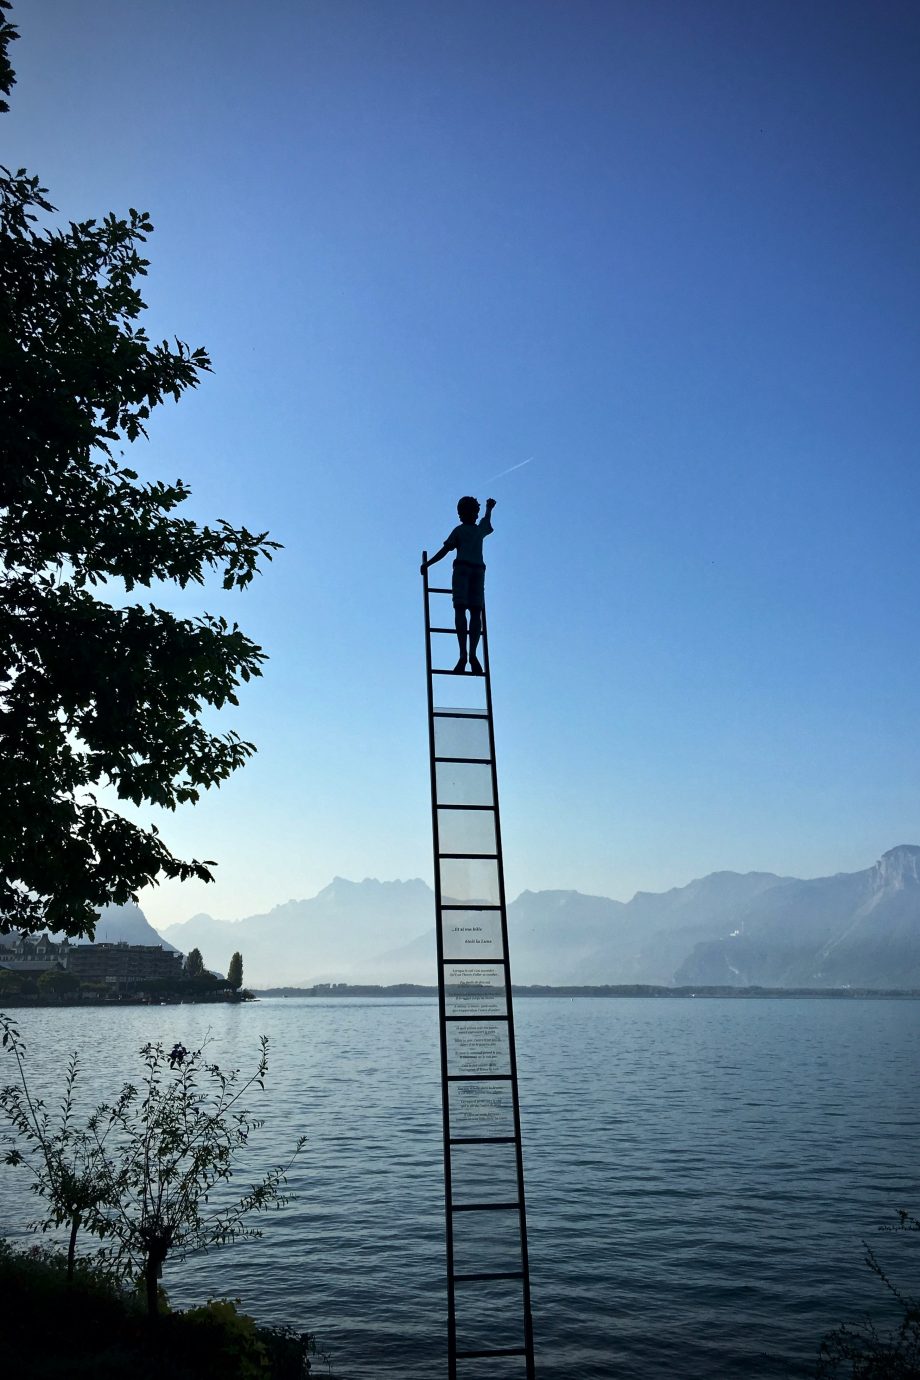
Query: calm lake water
{"points": [[700, 1173]]}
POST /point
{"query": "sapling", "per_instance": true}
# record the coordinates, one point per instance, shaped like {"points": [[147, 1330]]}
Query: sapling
{"points": [[168, 1145], [66, 1162], [141, 1173]]}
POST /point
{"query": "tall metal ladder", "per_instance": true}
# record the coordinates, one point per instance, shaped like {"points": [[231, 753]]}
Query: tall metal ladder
{"points": [[490, 1330]]}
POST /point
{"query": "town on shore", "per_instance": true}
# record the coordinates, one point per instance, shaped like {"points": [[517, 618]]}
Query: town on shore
{"points": [[38, 971]]}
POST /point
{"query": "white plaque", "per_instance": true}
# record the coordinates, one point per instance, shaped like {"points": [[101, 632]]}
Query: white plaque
{"points": [[474, 989], [472, 934], [481, 1109], [477, 1047]]}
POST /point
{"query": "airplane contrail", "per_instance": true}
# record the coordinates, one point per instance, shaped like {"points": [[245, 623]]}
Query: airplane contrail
{"points": [[519, 466]]}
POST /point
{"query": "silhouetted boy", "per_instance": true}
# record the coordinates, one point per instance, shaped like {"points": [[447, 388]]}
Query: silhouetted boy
{"points": [[468, 577]]}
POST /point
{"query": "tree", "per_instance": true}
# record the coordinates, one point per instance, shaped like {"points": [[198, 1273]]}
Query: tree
{"points": [[11, 984], [56, 983], [94, 692], [235, 972], [141, 1172], [194, 964], [173, 1144], [66, 1163]]}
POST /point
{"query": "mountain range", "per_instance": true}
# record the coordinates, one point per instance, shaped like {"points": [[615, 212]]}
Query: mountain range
{"points": [[125, 924], [859, 929]]}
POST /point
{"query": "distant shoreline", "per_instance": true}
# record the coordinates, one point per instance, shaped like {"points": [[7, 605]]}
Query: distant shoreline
{"points": [[18, 999], [411, 989]]}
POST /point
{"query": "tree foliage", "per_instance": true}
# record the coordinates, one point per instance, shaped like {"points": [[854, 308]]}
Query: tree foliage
{"points": [[149, 1171], [89, 1325], [177, 1138], [235, 972], [860, 1351], [64, 1160], [7, 75], [56, 983], [194, 964], [94, 691]]}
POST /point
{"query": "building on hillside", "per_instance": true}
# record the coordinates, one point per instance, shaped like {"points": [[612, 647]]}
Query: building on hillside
{"points": [[34, 954], [122, 963], [118, 964]]}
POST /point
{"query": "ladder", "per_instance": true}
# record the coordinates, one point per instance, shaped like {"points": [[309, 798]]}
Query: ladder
{"points": [[489, 1325]]}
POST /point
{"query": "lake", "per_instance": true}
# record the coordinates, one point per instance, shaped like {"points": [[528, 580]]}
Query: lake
{"points": [[700, 1173]]}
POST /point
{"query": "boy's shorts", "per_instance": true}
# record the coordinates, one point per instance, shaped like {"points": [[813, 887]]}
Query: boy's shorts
{"points": [[467, 585]]}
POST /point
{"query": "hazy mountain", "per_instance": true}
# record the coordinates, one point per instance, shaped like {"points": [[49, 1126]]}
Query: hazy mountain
{"points": [[861, 929], [589, 939], [332, 937], [125, 924]]}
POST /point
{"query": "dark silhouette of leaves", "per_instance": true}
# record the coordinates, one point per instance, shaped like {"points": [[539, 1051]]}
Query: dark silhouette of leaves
{"points": [[94, 692]]}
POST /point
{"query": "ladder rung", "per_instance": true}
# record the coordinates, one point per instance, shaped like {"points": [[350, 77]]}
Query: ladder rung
{"points": [[471, 856], [484, 1207], [481, 761], [460, 713], [468, 905], [475, 1018], [479, 1077], [495, 1351], [466, 807], [437, 589], [472, 960], [482, 1140], [444, 630], [439, 671], [488, 1274]]}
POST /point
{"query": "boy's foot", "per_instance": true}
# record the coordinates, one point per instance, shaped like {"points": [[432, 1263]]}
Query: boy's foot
{"points": [[475, 666], [460, 666]]}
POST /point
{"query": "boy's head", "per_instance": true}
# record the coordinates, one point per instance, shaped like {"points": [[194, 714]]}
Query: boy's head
{"points": [[468, 509]]}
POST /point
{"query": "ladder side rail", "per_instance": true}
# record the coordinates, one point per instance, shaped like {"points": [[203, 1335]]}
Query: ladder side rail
{"points": [[442, 1006], [512, 1049]]}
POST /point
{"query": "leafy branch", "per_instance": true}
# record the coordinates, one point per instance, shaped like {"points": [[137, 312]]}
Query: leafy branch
{"points": [[141, 1173]]}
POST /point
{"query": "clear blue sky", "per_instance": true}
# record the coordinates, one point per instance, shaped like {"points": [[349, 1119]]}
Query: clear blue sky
{"points": [[670, 251]]}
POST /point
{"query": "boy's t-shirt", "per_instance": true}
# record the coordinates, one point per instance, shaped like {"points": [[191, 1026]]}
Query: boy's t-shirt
{"points": [[466, 540]]}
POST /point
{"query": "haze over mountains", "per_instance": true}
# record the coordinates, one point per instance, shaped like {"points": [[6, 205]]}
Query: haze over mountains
{"points": [[858, 929], [117, 925], [127, 925]]}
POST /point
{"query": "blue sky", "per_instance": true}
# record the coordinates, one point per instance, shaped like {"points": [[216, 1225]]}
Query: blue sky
{"points": [[669, 251]]}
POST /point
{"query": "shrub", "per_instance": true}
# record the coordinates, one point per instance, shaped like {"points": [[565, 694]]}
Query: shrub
{"points": [[142, 1171], [859, 1351], [101, 1332]]}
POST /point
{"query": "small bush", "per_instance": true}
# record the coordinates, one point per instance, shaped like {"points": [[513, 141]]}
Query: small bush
{"points": [[859, 1351], [96, 1329]]}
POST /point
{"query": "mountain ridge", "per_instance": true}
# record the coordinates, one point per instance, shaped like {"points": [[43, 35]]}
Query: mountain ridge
{"points": [[125, 924], [754, 928]]}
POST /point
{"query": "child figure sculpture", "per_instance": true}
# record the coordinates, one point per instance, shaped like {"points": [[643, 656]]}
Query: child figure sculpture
{"points": [[468, 577]]}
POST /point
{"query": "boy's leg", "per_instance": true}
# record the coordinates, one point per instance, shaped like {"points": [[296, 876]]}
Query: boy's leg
{"points": [[475, 634], [477, 582], [460, 625]]}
